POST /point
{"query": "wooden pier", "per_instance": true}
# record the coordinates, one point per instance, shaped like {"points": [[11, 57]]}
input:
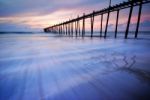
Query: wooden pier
{"points": [[68, 27]]}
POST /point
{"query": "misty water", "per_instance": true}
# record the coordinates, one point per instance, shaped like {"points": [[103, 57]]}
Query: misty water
{"points": [[51, 67]]}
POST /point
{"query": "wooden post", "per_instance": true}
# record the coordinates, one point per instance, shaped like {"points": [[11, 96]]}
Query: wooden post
{"points": [[55, 29], [71, 28], [66, 29], [79, 27], [61, 29], [58, 30], [116, 23], [101, 25], [106, 25], [128, 23], [83, 26], [76, 28], [139, 16], [92, 24]]}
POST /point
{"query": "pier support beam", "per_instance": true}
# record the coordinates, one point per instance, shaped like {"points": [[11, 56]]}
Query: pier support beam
{"points": [[66, 29], [101, 30], [116, 29], [106, 25], [83, 26], [59, 29], [79, 27], [71, 28], [92, 24], [139, 17], [76, 28], [63, 29], [129, 20]]}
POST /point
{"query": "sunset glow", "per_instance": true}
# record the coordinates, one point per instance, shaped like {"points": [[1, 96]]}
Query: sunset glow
{"points": [[49, 12], [74, 49]]}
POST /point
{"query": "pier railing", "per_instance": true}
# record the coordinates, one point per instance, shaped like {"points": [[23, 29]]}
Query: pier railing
{"points": [[72, 27]]}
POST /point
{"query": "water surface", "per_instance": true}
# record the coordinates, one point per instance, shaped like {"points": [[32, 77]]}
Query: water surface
{"points": [[49, 67]]}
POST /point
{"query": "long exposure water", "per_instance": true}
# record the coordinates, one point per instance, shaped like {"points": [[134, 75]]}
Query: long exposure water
{"points": [[49, 67]]}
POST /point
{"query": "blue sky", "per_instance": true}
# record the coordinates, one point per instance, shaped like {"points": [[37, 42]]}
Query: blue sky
{"points": [[34, 15]]}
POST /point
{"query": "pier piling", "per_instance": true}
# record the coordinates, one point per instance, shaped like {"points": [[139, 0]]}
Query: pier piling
{"points": [[73, 25]]}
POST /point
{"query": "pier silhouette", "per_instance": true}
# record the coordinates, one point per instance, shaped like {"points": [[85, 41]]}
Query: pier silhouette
{"points": [[68, 27]]}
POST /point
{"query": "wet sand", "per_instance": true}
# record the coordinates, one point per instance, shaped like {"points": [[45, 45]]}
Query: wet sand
{"points": [[49, 67]]}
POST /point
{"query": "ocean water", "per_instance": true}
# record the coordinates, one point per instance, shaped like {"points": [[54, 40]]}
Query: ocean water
{"points": [[51, 67]]}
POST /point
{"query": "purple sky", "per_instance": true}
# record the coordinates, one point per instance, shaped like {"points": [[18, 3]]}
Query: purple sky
{"points": [[34, 15]]}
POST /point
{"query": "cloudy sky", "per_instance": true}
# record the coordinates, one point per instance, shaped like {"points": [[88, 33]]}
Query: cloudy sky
{"points": [[34, 15]]}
